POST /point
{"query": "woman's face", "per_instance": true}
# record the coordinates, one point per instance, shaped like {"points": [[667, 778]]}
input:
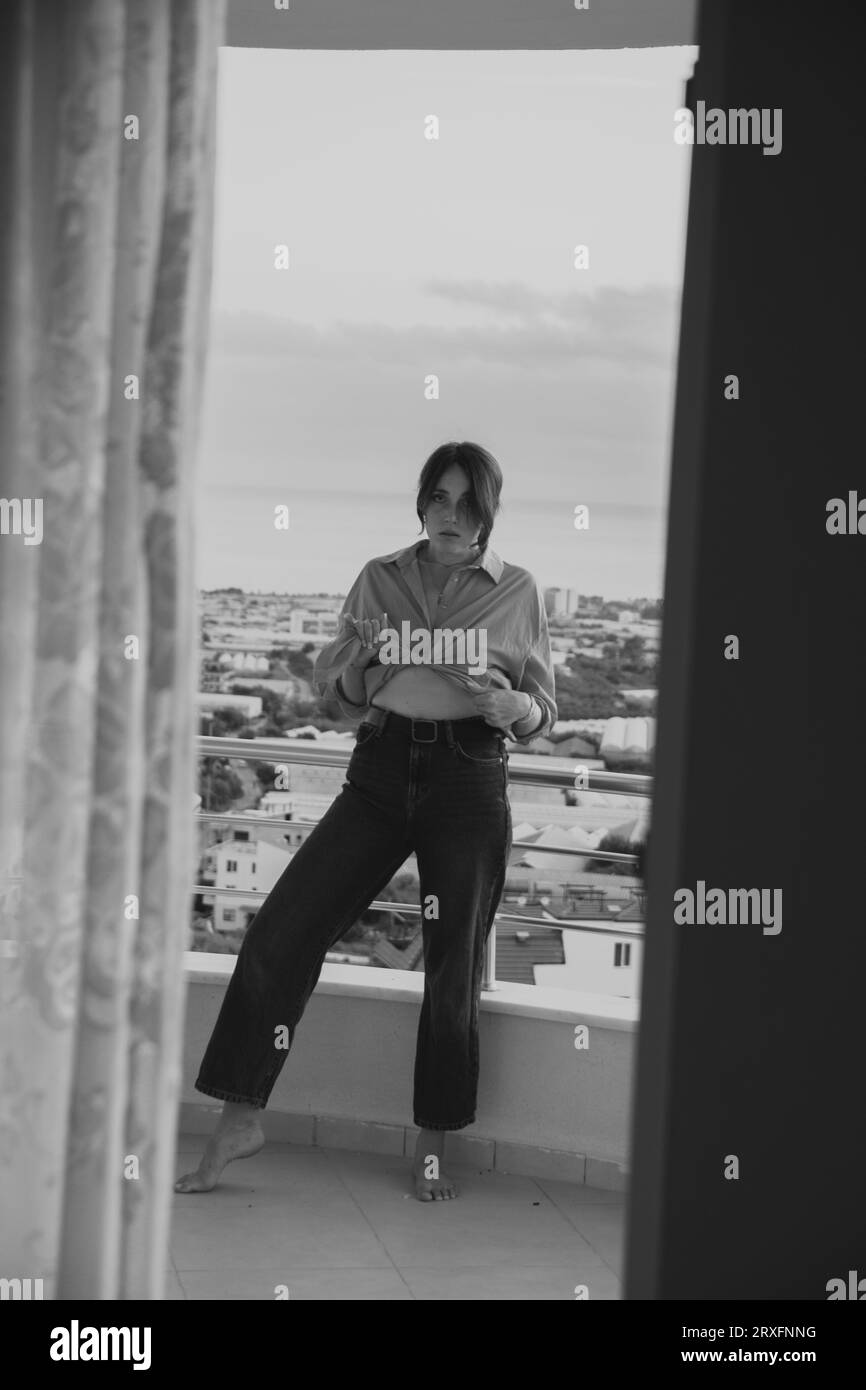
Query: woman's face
{"points": [[449, 519]]}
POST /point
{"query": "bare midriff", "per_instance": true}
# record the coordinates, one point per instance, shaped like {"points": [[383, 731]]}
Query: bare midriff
{"points": [[419, 692]]}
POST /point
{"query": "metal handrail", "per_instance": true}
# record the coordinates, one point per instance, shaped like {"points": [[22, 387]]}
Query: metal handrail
{"points": [[527, 769], [587, 852], [532, 769], [510, 919]]}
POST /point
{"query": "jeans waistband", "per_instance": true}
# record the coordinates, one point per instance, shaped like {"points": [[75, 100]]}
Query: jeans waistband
{"points": [[430, 730]]}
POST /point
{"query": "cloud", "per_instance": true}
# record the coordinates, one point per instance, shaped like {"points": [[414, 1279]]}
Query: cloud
{"points": [[612, 327]]}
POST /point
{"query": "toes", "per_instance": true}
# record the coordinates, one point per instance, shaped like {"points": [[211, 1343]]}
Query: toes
{"points": [[193, 1182], [432, 1190]]}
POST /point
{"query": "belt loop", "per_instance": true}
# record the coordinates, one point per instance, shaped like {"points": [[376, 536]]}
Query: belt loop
{"points": [[377, 717], [449, 732]]}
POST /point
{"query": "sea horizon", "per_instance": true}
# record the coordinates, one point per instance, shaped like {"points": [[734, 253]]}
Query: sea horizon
{"points": [[333, 533]]}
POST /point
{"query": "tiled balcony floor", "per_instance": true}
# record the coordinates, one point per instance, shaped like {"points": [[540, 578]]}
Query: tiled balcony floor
{"points": [[333, 1224]]}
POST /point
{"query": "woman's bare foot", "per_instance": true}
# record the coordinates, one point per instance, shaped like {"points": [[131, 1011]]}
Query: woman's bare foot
{"points": [[431, 1184], [237, 1135]]}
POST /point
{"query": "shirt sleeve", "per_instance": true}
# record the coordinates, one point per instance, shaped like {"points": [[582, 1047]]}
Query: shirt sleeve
{"points": [[537, 675], [334, 658]]}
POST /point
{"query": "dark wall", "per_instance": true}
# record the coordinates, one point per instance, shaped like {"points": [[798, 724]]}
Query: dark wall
{"points": [[753, 1044]]}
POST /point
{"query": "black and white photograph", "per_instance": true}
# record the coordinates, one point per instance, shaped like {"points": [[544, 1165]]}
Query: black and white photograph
{"points": [[432, 597]]}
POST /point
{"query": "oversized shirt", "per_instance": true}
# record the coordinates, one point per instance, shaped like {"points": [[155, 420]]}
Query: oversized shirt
{"points": [[487, 595]]}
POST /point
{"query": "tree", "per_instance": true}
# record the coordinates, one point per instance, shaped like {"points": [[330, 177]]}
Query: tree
{"points": [[219, 787], [265, 773], [227, 721], [270, 730], [616, 844], [272, 703], [588, 694], [299, 663], [632, 654], [403, 889]]}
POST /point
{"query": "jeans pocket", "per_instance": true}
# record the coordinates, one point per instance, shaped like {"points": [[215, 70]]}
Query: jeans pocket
{"points": [[366, 732], [479, 755]]}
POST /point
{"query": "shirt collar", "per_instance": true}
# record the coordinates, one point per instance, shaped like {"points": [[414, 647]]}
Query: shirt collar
{"points": [[488, 560]]}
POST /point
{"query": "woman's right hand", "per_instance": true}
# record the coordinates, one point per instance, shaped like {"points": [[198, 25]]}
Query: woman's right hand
{"points": [[367, 634]]}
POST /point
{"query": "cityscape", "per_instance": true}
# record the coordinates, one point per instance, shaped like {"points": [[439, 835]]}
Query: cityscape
{"points": [[257, 657]]}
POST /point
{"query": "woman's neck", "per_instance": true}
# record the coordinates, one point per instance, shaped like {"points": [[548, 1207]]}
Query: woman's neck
{"points": [[429, 558]]}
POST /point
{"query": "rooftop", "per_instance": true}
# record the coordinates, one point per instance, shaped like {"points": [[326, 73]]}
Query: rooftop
{"points": [[517, 956]]}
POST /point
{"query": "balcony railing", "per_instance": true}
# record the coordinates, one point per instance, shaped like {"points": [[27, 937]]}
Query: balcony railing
{"points": [[525, 769]]}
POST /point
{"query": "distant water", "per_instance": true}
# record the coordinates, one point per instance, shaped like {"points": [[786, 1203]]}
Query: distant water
{"points": [[332, 534]]}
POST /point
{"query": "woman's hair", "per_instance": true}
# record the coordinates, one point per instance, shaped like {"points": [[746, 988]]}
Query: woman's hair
{"points": [[485, 482]]}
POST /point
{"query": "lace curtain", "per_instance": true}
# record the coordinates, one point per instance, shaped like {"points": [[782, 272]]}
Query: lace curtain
{"points": [[106, 179]]}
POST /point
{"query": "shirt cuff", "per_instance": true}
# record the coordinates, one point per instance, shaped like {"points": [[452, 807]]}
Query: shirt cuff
{"points": [[535, 725]]}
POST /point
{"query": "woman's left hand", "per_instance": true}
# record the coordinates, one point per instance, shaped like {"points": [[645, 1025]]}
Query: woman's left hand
{"points": [[502, 708]]}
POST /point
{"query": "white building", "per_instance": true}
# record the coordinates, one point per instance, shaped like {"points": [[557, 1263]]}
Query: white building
{"points": [[241, 863], [628, 738], [309, 624], [597, 963], [276, 803], [245, 661], [314, 603], [561, 602], [250, 705], [306, 791], [639, 698]]}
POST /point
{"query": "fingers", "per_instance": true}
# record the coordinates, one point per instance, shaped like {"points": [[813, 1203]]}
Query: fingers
{"points": [[368, 630], [377, 627]]}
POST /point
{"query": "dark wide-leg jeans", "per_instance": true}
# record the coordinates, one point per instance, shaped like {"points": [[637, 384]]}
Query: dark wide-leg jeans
{"points": [[435, 787]]}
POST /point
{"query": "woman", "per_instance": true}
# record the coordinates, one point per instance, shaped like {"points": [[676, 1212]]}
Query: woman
{"points": [[428, 774]]}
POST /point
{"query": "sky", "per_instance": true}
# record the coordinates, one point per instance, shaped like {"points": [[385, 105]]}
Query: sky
{"points": [[455, 257]]}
